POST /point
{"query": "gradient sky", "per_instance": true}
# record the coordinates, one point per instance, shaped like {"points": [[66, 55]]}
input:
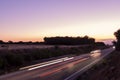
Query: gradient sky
{"points": [[34, 19]]}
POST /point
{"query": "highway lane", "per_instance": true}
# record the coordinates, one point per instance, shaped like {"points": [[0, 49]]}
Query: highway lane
{"points": [[28, 74], [96, 59], [58, 71]]}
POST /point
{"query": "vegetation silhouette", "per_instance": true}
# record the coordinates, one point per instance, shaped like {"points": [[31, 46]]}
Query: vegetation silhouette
{"points": [[1, 42], [117, 44], [69, 40], [59, 41]]}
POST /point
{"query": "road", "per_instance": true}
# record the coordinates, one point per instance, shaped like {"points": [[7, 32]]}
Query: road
{"points": [[59, 70]]}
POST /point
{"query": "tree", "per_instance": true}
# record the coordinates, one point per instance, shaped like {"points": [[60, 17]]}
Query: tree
{"points": [[10, 42], [117, 35], [114, 42], [69, 40], [20, 42], [1, 42]]}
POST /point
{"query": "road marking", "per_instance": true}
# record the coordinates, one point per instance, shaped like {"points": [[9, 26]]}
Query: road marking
{"points": [[69, 78]]}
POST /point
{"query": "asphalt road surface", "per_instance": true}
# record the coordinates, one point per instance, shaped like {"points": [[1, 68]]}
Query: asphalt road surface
{"points": [[65, 69]]}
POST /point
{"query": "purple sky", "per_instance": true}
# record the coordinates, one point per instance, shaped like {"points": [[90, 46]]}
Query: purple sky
{"points": [[33, 19]]}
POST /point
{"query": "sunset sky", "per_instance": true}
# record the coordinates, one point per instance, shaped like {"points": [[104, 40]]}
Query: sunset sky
{"points": [[31, 20]]}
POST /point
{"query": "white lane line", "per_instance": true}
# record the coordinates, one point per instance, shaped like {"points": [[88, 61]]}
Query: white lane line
{"points": [[72, 76]]}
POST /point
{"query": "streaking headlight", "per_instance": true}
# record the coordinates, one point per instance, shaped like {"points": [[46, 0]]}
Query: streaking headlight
{"points": [[113, 47]]}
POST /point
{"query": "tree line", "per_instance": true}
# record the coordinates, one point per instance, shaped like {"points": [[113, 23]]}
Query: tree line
{"points": [[20, 42], [58, 41], [69, 40]]}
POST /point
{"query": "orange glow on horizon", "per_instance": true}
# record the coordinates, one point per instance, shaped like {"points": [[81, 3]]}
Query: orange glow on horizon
{"points": [[41, 39]]}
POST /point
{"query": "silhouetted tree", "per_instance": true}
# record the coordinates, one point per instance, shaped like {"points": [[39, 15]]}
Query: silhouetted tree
{"points": [[20, 42], [10, 42], [69, 40], [114, 42], [117, 35], [1, 42]]}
